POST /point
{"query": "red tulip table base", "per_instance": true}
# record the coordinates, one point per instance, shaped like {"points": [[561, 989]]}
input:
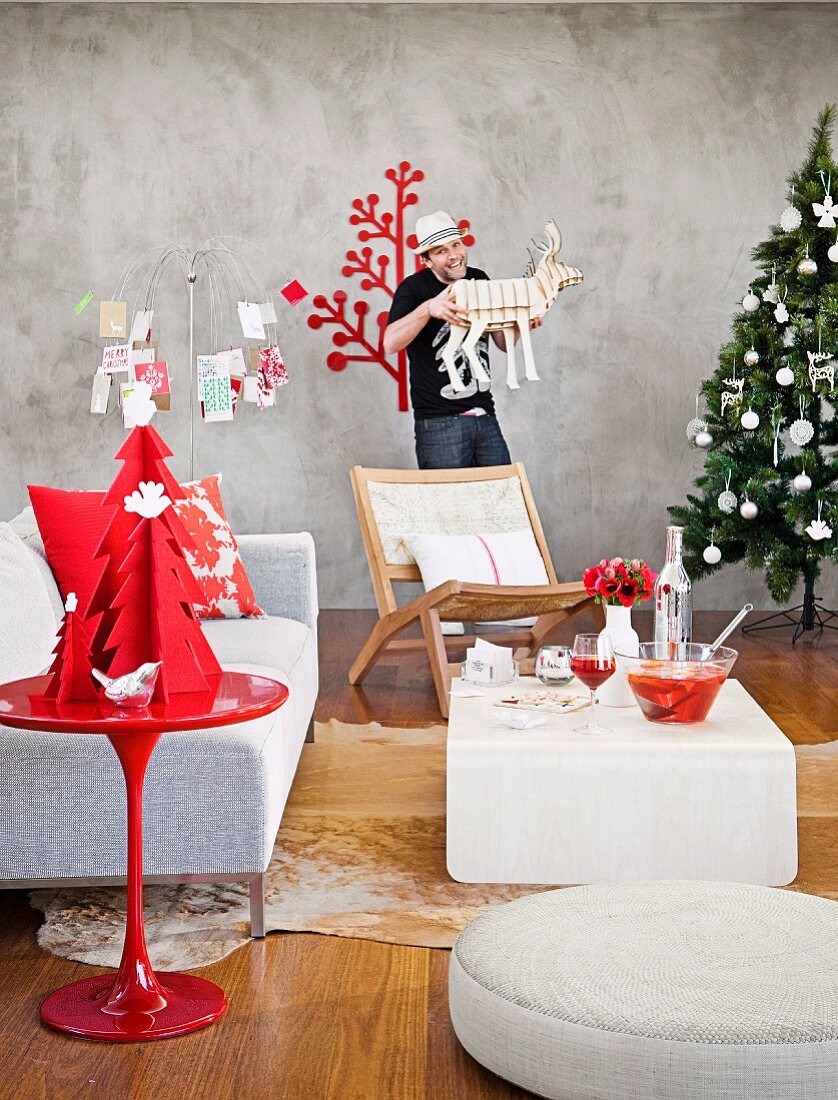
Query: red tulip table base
{"points": [[139, 1004]]}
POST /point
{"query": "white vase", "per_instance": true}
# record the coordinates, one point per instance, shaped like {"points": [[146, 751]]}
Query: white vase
{"points": [[615, 692]]}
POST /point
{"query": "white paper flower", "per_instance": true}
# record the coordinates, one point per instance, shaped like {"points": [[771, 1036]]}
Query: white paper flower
{"points": [[149, 501]]}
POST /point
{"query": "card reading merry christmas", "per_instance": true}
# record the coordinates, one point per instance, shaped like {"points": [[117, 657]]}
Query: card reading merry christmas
{"points": [[115, 357]]}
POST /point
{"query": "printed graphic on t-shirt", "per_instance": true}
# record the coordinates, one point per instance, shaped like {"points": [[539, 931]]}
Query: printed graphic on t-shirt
{"points": [[461, 365]]}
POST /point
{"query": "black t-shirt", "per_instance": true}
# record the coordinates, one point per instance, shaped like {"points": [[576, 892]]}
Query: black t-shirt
{"points": [[430, 388]]}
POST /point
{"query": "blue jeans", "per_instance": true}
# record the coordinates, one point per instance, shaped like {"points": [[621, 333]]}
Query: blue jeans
{"points": [[455, 442]]}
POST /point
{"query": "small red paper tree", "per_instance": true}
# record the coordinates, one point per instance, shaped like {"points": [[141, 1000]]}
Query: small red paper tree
{"points": [[69, 672], [146, 595], [390, 228]]}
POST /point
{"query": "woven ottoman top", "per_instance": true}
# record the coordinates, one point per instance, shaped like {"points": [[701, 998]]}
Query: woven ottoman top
{"points": [[695, 962]]}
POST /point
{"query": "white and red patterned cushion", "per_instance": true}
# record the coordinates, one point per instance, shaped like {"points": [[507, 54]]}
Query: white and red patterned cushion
{"points": [[215, 561]]}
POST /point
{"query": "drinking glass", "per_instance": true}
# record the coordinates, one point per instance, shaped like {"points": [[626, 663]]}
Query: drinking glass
{"points": [[552, 664], [592, 660]]}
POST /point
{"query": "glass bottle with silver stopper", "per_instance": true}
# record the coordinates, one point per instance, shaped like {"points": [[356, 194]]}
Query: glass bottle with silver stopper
{"points": [[673, 597]]}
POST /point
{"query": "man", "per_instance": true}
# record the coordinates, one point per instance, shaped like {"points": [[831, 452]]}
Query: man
{"points": [[453, 429]]}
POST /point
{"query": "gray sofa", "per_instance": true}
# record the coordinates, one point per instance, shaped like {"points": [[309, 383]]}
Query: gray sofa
{"points": [[214, 799]]}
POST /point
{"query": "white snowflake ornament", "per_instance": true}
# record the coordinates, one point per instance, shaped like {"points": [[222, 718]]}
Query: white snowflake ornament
{"points": [[790, 218], [801, 430], [727, 500]]}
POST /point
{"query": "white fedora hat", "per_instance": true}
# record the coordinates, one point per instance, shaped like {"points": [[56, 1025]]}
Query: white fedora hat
{"points": [[435, 229]]}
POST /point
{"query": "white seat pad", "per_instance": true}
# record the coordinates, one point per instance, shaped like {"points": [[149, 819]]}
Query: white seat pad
{"points": [[660, 989]]}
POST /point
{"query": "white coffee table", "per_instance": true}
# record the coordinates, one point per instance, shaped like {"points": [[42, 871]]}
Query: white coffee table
{"points": [[547, 805]]}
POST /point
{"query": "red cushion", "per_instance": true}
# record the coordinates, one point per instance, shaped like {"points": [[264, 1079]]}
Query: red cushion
{"points": [[215, 559], [72, 525]]}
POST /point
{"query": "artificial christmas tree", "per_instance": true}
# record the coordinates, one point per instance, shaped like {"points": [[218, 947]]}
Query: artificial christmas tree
{"points": [[769, 491]]}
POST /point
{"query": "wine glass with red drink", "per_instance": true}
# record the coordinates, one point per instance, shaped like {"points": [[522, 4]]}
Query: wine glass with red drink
{"points": [[592, 661]]}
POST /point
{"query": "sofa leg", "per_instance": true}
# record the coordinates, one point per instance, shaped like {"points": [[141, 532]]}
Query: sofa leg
{"points": [[310, 732], [257, 906]]}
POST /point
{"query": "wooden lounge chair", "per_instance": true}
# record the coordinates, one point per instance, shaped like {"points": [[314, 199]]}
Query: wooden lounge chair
{"points": [[395, 504]]}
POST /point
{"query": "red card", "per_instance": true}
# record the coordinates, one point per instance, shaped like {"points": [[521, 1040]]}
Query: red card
{"points": [[157, 376], [294, 292]]}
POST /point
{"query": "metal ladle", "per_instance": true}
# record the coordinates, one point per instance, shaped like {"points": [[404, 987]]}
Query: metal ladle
{"points": [[731, 626]]}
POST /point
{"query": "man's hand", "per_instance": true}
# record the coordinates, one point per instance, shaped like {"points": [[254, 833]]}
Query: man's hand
{"points": [[536, 322], [442, 308]]}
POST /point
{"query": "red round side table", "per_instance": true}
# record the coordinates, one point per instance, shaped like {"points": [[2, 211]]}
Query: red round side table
{"points": [[139, 1004]]}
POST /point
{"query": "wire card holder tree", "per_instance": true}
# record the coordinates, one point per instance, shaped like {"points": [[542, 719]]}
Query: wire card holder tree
{"points": [[243, 364]]}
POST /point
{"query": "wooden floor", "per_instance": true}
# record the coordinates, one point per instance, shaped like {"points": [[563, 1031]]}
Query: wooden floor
{"points": [[316, 1017]]}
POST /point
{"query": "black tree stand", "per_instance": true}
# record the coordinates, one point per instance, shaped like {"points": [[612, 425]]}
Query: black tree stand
{"points": [[813, 616]]}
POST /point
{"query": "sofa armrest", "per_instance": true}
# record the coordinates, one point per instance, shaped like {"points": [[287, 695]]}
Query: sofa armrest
{"points": [[282, 571]]}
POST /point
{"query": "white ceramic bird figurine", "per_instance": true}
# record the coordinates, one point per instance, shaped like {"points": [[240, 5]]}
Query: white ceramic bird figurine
{"points": [[134, 689]]}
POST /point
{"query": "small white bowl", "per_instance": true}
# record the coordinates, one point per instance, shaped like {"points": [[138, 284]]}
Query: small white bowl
{"points": [[520, 719]]}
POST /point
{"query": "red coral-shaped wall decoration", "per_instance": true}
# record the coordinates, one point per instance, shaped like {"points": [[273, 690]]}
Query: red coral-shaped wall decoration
{"points": [[353, 328]]}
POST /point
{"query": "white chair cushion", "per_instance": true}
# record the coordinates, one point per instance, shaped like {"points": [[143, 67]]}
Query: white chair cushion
{"points": [[27, 622], [510, 557]]}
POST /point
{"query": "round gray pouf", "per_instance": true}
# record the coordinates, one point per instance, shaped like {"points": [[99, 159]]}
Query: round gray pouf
{"points": [[639, 991]]}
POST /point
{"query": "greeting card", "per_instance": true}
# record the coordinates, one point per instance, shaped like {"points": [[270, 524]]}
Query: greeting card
{"points": [[156, 374], [293, 292], [141, 325], [101, 393], [250, 316], [115, 357], [268, 313], [112, 319]]}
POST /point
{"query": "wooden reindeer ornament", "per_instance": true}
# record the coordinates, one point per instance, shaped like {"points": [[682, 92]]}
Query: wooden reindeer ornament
{"points": [[493, 304]]}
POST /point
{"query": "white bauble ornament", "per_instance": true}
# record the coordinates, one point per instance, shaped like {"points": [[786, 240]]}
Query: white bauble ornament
{"points": [[807, 265], [785, 376], [749, 420], [750, 303], [832, 252], [751, 357], [695, 426], [801, 432], [802, 483], [712, 554], [748, 510], [790, 219], [704, 440]]}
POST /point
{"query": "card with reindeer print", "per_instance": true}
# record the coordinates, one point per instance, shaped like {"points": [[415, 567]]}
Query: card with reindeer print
{"points": [[112, 320]]}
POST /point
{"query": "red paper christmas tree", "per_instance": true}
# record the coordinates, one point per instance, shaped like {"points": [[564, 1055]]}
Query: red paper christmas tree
{"points": [[146, 595], [70, 677]]}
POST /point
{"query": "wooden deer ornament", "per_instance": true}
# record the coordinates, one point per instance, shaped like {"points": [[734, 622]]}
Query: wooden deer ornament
{"points": [[493, 304]]}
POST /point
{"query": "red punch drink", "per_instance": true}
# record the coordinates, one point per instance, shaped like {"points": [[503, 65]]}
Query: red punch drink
{"points": [[593, 671], [675, 691]]}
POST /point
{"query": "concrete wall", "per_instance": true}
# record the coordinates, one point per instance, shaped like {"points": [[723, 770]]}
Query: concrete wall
{"points": [[659, 136]]}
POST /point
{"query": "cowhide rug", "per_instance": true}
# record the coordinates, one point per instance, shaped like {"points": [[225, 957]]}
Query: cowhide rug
{"points": [[361, 853]]}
